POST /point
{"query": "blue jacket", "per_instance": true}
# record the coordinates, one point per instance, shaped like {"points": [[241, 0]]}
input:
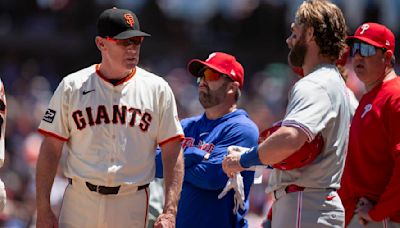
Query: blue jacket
{"points": [[199, 205]]}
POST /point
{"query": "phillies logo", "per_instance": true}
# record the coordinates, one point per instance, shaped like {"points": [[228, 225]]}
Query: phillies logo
{"points": [[367, 108], [210, 56], [129, 19], [364, 28]]}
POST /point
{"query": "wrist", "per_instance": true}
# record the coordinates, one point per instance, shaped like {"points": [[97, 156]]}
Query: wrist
{"points": [[250, 158]]}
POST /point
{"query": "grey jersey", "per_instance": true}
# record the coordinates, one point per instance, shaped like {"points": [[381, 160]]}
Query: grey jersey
{"points": [[318, 103]]}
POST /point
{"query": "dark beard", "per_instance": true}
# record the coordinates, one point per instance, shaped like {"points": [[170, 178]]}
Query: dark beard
{"points": [[212, 98], [297, 54]]}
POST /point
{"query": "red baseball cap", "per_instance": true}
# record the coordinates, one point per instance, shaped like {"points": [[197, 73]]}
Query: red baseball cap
{"points": [[375, 34], [221, 62]]}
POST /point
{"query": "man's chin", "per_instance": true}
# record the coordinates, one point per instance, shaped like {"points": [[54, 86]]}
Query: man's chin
{"points": [[294, 62]]}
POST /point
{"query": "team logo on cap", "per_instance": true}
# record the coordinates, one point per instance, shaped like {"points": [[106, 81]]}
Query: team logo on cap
{"points": [[364, 28], [387, 43], [210, 56], [129, 19]]}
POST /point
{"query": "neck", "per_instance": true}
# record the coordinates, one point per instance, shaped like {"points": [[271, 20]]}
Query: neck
{"points": [[220, 110], [112, 73], [387, 75]]}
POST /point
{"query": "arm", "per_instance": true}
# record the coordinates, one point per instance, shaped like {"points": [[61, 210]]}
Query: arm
{"points": [[192, 156], [280, 145], [307, 114], [159, 165], [173, 178], [47, 164], [209, 173], [389, 201]]}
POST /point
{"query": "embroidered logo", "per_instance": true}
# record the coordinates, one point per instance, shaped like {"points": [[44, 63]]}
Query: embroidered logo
{"points": [[364, 28], [367, 108], [129, 19], [210, 57]]}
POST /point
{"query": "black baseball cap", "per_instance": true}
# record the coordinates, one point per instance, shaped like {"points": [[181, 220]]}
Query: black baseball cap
{"points": [[118, 24]]}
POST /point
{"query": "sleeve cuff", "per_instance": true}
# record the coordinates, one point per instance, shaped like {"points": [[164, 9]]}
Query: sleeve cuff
{"points": [[250, 158]]}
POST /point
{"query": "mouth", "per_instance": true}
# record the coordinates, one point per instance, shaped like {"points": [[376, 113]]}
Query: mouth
{"points": [[359, 66], [202, 89]]}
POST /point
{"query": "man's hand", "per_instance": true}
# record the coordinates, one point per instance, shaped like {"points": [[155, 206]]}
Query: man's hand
{"points": [[363, 207], [231, 163], [165, 221], [46, 219]]}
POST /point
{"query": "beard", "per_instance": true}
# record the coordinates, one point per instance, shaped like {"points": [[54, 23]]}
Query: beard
{"points": [[297, 53], [212, 98]]}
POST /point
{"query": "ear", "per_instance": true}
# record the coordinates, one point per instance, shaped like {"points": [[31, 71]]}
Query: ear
{"points": [[388, 57], [99, 43], [233, 87], [309, 33]]}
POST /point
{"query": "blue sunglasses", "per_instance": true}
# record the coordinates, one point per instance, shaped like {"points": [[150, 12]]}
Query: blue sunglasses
{"points": [[365, 50]]}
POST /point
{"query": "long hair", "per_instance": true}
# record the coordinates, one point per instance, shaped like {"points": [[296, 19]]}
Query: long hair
{"points": [[328, 23]]}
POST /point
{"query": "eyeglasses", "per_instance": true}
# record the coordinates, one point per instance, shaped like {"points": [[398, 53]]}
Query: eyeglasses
{"points": [[365, 50], [126, 42], [210, 75]]}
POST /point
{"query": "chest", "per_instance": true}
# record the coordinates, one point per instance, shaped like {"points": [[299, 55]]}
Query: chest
{"points": [[98, 105]]}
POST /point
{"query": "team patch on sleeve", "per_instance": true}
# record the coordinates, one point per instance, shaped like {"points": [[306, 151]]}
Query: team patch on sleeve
{"points": [[49, 116]]}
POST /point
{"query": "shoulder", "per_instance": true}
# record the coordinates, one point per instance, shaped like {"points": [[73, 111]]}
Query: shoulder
{"points": [[150, 78], [187, 122], [241, 119], [76, 79], [391, 91], [326, 80], [242, 124]]}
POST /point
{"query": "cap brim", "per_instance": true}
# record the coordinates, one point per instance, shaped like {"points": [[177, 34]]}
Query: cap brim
{"points": [[130, 33], [350, 40], [195, 65]]}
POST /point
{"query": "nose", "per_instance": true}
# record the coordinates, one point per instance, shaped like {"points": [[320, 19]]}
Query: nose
{"points": [[289, 42], [357, 55], [201, 81]]}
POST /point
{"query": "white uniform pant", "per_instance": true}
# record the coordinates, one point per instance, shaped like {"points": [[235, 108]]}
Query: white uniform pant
{"points": [[82, 208], [382, 224], [311, 208]]}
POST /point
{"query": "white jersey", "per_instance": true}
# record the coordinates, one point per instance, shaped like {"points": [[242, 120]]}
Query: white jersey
{"points": [[3, 115], [111, 131], [318, 103]]}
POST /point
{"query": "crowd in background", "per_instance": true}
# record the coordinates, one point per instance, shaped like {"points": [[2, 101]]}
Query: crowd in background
{"points": [[42, 41]]}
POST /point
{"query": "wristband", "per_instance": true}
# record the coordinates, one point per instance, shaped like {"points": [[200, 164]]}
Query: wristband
{"points": [[250, 158]]}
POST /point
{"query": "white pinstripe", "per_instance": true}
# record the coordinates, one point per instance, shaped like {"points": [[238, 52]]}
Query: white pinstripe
{"points": [[299, 207]]}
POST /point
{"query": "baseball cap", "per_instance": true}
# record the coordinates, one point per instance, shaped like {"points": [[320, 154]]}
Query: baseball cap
{"points": [[374, 34], [220, 62], [118, 24]]}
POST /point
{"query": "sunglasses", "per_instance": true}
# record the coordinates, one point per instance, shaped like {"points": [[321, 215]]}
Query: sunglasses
{"points": [[365, 50], [210, 75], [126, 42]]}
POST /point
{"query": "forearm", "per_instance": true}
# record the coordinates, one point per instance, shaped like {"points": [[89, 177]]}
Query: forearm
{"points": [[280, 145], [173, 177], [206, 176], [46, 169]]}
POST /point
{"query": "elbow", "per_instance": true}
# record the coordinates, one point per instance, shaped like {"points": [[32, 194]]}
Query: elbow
{"points": [[295, 138]]}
